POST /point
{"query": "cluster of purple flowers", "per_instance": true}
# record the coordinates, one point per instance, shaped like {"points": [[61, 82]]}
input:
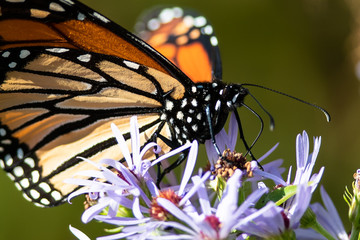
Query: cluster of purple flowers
{"points": [[232, 201]]}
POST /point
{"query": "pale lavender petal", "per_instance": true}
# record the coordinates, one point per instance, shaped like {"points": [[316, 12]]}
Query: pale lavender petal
{"points": [[264, 222], [116, 236], [203, 196], [194, 188], [122, 144], [136, 208], [135, 140], [211, 152], [250, 201], [268, 153], [229, 199], [329, 219], [276, 179], [90, 213], [308, 234], [121, 221], [232, 132], [301, 203], [77, 233], [170, 207], [189, 168], [180, 227], [171, 153]]}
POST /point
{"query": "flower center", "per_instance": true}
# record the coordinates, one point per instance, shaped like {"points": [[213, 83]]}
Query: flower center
{"points": [[229, 162], [157, 211]]}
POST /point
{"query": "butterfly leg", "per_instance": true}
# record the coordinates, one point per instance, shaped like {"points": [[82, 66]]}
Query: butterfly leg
{"points": [[242, 137], [211, 129], [167, 170], [181, 158]]}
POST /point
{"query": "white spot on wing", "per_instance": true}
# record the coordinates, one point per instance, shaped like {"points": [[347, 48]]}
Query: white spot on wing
{"points": [[81, 17], [17, 185], [166, 15], [10, 176], [8, 160], [194, 103], [44, 186], [178, 12], [56, 7], [101, 17], [6, 141], [169, 105], [179, 115], [131, 64], [68, 2], [30, 162], [24, 183], [24, 53], [208, 30], [6, 54], [2, 132], [12, 64], [57, 50], [45, 201], [183, 102], [20, 153], [199, 21], [153, 24], [84, 58], [34, 194], [35, 176], [18, 171], [56, 195], [27, 197], [189, 21], [214, 41]]}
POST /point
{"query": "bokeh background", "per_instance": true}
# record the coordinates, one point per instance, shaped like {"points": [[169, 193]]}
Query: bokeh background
{"points": [[306, 48]]}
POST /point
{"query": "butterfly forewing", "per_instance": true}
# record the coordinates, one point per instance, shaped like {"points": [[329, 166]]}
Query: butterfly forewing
{"points": [[57, 104], [70, 24]]}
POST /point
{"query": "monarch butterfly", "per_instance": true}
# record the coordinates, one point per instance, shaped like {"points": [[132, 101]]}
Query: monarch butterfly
{"points": [[66, 72]]}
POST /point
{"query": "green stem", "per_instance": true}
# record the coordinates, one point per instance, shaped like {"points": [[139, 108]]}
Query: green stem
{"points": [[317, 227], [354, 233]]}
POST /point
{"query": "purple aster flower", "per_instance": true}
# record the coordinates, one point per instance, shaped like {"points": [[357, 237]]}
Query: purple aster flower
{"points": [[273, 220], [328, 217], [305, 163], [211, 223], [128, 189], [228, 141]]}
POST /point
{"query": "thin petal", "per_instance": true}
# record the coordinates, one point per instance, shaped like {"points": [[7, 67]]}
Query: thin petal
{"points": [[123, 146], [170, 207], [189, 168], [77, 233]]}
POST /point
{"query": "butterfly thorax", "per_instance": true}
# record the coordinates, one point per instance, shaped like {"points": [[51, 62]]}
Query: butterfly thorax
{"points": [[188, 116]]}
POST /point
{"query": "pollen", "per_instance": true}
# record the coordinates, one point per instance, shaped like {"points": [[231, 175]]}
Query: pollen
{"points": [[159, 213], [229, 162]]}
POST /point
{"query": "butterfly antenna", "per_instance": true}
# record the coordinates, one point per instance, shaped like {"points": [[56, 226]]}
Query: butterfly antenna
{"points": [[327, 115]]}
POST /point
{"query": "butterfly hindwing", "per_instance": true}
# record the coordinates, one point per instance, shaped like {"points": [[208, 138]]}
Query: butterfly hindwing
{"points": [[184, 37]]}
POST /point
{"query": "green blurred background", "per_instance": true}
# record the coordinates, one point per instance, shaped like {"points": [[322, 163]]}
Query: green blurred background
{"points": [[302, 47]]}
